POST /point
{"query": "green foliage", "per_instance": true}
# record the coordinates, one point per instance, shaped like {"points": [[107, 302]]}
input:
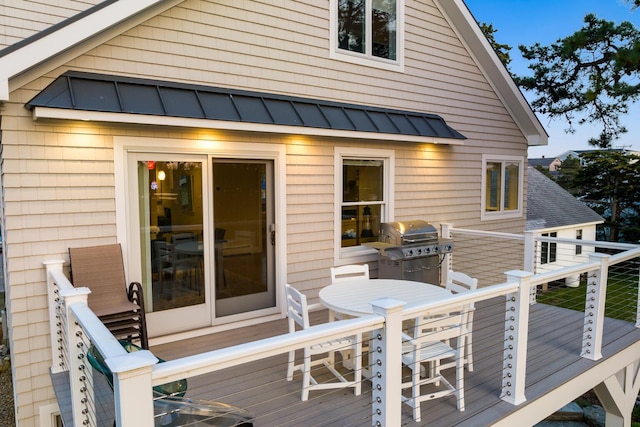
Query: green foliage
{"points": [[502, 50], [622, 292], [567, 174], [593, 74], [609, 183]]}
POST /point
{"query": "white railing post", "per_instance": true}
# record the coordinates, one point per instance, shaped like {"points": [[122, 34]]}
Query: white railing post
{"points": [[447, 263], [385, 357], [55, 323], [516, 335], [132, 387], [530, 260], [594, 308], [83, 410]]}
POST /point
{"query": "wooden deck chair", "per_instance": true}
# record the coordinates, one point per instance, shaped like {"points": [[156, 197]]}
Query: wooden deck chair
{"points": [[120, 306], [298, 314], [458, 282], [430, 344]]}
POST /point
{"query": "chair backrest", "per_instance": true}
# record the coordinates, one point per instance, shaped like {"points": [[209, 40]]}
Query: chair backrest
{"points": [[345, 273], [297, 309], [459, 282], [441, 327], [101, 269], [182, 237]]}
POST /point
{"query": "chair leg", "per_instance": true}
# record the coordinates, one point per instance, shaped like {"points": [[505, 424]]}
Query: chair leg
{"points": [[291, 365], [306, 376], [415, 389], [460, 383], [357, 368]]}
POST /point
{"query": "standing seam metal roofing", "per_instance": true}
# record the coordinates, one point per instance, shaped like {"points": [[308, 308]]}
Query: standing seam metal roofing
{"points": [[108, 93]]}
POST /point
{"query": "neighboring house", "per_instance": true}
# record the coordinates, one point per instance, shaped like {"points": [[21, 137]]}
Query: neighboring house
{"points": [[554, 212], [551, 164], [278, 134], [577, 154]]}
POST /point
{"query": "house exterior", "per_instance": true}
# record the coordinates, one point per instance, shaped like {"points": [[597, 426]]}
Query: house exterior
{"points": [[554, 212], [277, 136], [549, 163]]}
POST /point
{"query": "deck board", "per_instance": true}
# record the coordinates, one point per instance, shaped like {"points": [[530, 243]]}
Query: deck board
{"points": [[553, 359]]}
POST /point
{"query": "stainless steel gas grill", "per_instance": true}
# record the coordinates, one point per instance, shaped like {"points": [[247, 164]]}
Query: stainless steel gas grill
{"points": [[410, 250]]}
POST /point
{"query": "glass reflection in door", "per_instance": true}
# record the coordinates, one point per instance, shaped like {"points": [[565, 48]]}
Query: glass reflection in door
{"points": [[244, 247], [172, 247]]}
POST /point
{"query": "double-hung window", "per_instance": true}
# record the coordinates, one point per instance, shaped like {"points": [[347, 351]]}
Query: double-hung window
{"points": [[364, 181], [502, 186], [369, 30]]}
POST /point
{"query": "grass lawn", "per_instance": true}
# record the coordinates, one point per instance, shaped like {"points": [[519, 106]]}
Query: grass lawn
{"points": [[622, 296]]}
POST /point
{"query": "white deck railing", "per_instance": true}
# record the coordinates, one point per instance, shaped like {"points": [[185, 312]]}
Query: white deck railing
{"points": [[75, 328]]}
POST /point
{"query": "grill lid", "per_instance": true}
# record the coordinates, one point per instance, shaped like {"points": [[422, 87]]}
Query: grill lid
{"points": [[407, 232]]}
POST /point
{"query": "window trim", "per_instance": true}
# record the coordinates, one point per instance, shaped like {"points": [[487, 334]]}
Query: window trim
{"points": [[360, 253], [367, 59], [501, 214]]}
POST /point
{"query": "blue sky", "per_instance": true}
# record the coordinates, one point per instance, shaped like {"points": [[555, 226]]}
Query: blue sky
{"points": [[525, 22]]}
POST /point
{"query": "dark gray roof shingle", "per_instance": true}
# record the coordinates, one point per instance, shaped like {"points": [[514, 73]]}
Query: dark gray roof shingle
{"points": [[550, 206]]}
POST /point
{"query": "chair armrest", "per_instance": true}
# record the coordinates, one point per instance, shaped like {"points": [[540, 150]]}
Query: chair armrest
{"points": [[314, 307], [134, 293], [409, 339]]}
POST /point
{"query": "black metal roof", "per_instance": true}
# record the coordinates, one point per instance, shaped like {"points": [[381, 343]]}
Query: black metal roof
{"points": [[109, 93]]}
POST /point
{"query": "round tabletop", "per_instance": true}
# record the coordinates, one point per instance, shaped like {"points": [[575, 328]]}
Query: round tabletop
{"points": [[190, 248], [354, 297]]}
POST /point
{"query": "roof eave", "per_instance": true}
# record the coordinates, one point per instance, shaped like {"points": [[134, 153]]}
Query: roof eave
{"points": [[70, 33], [465, 25]]}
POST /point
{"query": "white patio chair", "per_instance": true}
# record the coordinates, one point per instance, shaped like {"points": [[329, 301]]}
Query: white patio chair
{"points": [[458, 282], [346, 273], [431, 344], [298, 314]]}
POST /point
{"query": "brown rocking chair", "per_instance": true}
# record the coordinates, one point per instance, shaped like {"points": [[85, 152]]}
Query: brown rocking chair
{"points": [[118, 305]]}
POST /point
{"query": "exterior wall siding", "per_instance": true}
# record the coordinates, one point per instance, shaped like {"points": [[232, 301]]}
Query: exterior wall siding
{"points": [[24, 18], [59, 176]]}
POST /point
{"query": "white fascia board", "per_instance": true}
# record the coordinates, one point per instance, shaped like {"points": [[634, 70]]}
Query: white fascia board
{"points": [[142, 119], [470, 34], [66, 37]]}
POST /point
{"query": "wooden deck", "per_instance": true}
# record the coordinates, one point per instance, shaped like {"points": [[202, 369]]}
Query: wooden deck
{"points": [[556, 375], [553, 363]]}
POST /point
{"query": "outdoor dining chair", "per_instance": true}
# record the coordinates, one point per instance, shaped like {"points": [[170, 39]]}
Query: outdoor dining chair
{"points": [[298, 314], [458, 282], [345, 273], [120, 306], [430, 343]]}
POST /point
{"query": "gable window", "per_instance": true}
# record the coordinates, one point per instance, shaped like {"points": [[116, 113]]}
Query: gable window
{"points": [[367, 30], [502, 187], [548, 249], [363, 186]]}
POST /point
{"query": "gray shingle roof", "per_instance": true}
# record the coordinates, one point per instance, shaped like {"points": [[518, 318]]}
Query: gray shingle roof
{"points": [[550, 206]]}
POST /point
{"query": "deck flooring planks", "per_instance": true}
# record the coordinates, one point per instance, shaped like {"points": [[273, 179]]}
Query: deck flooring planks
{"points": [[555, 340]]}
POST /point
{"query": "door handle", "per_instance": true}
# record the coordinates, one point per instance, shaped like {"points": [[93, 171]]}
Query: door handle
{"points": [[272, 227]]}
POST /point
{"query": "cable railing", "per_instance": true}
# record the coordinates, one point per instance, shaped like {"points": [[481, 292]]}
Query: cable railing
{"points": [[507, 301]]}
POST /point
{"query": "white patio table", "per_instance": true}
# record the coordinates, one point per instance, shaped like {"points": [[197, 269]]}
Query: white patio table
{"points": [[354, 297]]}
